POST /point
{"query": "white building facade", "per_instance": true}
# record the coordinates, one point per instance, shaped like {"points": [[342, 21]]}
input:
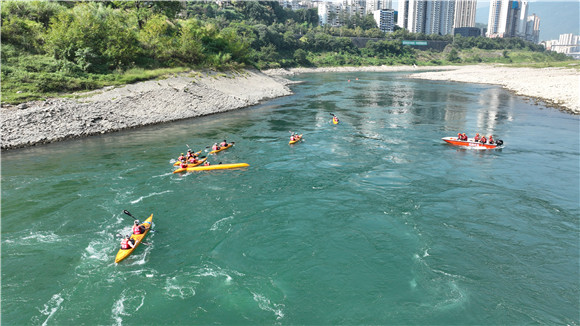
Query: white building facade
{"points": [[507, 18], [465, 13], [329, 13], [385, 19], [428, 17]]}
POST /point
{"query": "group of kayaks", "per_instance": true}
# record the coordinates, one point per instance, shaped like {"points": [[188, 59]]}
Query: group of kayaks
{"points": [[201, 163]]}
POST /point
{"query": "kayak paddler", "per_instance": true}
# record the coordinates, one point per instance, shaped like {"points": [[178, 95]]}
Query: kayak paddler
{"points": [[138, 229], [127, 242]]}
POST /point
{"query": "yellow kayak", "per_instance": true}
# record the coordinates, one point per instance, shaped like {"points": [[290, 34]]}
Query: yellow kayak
{"points": [[190, 165], [212, 167], [177, 163], [222, 148], [124, 253], [297, 139]]}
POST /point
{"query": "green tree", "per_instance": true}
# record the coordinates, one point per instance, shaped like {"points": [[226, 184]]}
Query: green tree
{"points": [[453, 56], [300, 56], [23, 32], [158, 37]]}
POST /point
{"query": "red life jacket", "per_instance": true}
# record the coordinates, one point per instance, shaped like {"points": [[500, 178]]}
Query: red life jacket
{"points": [[224, 144], [183, 165], [136, 229], [125, 244], [483, 139]]}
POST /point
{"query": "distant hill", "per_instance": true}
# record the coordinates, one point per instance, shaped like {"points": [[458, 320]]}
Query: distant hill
{"points": [[557, 17]]}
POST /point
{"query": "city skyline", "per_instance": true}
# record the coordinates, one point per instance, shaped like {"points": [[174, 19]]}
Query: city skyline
{"points": [[557, 17]]}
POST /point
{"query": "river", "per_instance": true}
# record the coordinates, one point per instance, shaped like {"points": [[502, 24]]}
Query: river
{"points": [[372, 221]]}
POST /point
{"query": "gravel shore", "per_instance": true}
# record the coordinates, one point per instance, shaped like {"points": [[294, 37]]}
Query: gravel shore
{"points": [[144, 103], [197, 94]]}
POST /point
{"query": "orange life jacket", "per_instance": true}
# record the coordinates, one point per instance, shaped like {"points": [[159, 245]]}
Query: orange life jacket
{"points": [[125, 244]]}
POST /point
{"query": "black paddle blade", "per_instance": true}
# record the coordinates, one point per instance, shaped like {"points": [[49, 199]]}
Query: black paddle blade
{"points": [[127, 212]]}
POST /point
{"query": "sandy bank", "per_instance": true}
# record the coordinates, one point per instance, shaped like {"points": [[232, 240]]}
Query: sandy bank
{"points": [[145, 103]]}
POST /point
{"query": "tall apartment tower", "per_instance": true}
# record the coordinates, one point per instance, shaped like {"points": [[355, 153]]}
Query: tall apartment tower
{"points": [[428, 17], [532, 33], [329, 13], [403, 14], [373, 5], [464, 13], [354, 7], [505, 18], [523, 19]]}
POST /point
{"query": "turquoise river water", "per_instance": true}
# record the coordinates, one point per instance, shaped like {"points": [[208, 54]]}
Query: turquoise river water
{"points": [[373, 221]]}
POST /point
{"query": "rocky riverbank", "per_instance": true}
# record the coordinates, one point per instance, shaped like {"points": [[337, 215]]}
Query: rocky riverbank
{"points": [[145, 103]]}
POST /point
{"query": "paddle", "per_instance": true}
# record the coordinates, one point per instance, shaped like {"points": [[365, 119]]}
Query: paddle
{"points": [[127, 212]]}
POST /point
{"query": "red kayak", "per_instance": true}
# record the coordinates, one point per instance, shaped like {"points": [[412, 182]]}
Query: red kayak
{"points": [[471, 143]]}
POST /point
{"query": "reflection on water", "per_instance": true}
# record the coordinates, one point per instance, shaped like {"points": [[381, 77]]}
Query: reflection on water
{"points": [[496, 106]]}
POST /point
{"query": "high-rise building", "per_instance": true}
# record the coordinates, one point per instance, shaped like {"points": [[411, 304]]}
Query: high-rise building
{"points": [[403, 14], [354, 7], [532, 32], [329, 13], [505, 18], [374, 5], [464, 13], [385, 19], [428, 17], [523, 19]]}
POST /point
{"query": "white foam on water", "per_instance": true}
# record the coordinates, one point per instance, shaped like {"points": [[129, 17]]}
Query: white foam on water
{"points": [[97, 251], [219, 223], [119, 310], [457, 297], [42, 237], [174, 288], [163, 175], [124, 305], [208, 271], [150, 195], [265, 304], [51, 307]]}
